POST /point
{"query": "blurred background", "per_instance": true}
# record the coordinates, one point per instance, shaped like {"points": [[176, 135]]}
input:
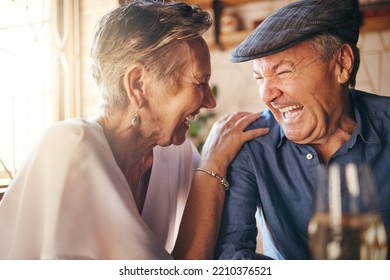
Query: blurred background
{"points": [[45, 77]]}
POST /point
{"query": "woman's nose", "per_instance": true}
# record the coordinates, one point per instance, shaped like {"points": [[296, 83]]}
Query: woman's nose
{"points": [[209, 100]]}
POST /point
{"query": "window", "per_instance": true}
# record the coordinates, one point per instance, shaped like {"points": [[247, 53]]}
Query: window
{"points": [[36, 82]]}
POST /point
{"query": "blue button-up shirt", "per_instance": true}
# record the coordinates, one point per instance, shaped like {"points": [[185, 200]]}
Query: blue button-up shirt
{"points": [[277, 177]]}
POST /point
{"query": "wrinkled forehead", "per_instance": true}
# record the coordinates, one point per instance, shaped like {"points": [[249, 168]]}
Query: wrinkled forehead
{"points": [[301, 53]]}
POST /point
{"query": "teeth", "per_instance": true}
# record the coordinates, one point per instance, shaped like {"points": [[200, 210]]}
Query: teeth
{"points": [[289, 113], [290, 108], [189, 119]]}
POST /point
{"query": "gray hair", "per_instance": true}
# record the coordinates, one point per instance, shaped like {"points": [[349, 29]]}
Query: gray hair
{"points": [[141, 32], [328, 45]]}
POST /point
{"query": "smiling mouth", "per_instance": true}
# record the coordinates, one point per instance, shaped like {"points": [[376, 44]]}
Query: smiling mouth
{"points": [[290, 112], [190, 118]]}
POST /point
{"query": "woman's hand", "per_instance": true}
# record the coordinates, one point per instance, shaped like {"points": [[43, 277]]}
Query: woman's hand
{"points": [[227, 137], [201, 219]]}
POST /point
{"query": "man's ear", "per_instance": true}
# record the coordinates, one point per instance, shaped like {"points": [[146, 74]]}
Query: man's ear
{"points": [[345, 61], [133, 82]]}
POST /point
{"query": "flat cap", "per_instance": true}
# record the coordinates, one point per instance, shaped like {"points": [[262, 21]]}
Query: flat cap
{"points": [[298, 21]]}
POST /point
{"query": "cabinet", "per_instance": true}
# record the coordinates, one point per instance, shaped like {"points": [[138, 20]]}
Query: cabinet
{"points": [[207, 4], [375, 18], [220, 40]]}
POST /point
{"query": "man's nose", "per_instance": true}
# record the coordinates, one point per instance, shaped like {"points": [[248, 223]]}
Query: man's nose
{"points": [[269, 90]]}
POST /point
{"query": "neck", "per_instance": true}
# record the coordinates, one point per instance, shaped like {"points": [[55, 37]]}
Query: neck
{"points": [[327, 148], [127, 142], [132, 152], [343, 128]]}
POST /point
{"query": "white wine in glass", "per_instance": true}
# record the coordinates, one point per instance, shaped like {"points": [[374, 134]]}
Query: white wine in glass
{"points": [[346, 223]]}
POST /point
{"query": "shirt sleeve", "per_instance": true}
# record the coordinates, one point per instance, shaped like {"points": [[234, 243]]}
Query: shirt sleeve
{"points": [[238, 231]]}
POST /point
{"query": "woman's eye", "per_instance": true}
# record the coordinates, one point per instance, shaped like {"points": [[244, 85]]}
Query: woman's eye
{"points": [[201, 84], [198, 86]]}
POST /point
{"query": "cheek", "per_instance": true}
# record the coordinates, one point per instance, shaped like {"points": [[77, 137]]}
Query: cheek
{"points": [[181, 105], [178, 109], [261, 92], [192, 101]]}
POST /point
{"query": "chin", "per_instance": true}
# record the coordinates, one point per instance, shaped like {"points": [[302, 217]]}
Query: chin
{"points": [[179, 135], [177, 141], [176, 137], [298, 138]]}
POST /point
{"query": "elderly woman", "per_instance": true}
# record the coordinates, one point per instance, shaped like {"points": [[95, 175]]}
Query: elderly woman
{"points": [[115, 187]]}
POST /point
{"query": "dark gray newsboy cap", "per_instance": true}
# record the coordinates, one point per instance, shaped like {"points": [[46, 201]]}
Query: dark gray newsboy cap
{"points": [[297, 21]]}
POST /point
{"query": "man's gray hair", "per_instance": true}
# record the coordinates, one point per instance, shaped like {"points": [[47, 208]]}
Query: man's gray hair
{"points": [[328, 45]]}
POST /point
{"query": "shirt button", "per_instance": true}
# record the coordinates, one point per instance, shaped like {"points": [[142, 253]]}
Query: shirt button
{"points": [[309, 156]]}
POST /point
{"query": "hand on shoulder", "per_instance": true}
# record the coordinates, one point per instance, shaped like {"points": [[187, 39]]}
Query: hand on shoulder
{"points": [[227, 137]]}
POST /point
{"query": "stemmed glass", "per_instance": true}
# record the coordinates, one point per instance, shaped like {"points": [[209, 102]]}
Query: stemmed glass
{"points": [[346, 223]]}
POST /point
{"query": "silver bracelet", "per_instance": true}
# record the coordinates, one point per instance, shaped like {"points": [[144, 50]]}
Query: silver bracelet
{"points": [[223, 181]]}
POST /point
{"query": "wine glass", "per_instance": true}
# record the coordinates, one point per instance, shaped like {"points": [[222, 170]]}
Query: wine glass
{"points": [[346, 223]]}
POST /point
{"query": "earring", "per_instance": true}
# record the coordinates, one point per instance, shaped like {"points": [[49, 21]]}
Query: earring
{"points": [[135, 119]]}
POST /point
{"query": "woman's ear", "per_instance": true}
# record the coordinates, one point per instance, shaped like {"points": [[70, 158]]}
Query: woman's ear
{"points": [[345, 61], [133, 81]]}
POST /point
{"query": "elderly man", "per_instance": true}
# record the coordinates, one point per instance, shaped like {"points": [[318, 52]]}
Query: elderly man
{"points": [[305, 61]]}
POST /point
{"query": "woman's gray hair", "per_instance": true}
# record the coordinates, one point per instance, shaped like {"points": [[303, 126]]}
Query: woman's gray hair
{"points": [[328, 45], [141, 32]]}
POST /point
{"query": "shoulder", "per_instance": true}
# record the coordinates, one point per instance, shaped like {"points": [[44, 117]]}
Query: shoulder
{"points": [[72, 135], [267, 144], [72, 128], [372, 103], [375, 107], [266, 120]]}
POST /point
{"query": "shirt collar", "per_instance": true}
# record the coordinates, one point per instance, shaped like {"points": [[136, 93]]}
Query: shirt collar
{"points": [[282, 138], [364, 128]]}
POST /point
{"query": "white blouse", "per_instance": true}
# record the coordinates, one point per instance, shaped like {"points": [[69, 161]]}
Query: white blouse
{"points": [[70, 200]]}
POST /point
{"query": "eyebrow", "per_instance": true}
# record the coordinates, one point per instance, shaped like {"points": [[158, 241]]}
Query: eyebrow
{"points": [[199, 76]]}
